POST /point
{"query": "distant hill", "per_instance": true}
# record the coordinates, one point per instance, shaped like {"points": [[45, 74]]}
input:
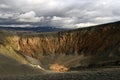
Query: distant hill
{"points": [[33, 29]]}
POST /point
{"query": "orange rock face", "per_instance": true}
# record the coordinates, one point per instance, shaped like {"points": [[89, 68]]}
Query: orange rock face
{"points": [[89, 41], [58, 68]]}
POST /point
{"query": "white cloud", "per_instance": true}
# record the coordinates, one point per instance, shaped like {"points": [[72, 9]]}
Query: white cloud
{"points": [[30, 14], [59, 13], [36, 1], [63, 19], [84, 25], [6, 15], [69, 22], [103, 18], [4, 6], [26, 25], [66, 22], [29, 17]]}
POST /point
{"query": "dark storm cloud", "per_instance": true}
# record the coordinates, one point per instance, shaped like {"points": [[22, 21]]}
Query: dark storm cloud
{"points": [[58, 13]]}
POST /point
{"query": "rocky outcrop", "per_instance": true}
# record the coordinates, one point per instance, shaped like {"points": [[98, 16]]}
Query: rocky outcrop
{"points": [[73, 48]]}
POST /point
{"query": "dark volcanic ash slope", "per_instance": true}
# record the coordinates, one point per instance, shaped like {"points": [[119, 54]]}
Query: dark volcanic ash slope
{"points": [[97, 45]]}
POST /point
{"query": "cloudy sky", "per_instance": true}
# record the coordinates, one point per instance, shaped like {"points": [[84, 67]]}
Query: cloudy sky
{"points": [[58, 13]]}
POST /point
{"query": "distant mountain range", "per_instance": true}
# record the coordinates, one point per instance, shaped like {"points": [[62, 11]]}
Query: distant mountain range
{"points": [[33, 29]]}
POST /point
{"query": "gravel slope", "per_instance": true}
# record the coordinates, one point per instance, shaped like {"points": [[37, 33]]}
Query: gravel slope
{"points": [[104, 74]]}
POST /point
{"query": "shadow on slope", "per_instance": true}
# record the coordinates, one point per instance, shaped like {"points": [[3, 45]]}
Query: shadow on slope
{"points": [[9, 66]]}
